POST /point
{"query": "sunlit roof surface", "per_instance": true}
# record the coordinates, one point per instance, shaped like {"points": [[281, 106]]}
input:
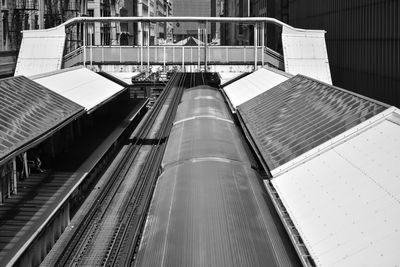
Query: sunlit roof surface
{"points": [[344, 199], [81, 85], [252, 85]]}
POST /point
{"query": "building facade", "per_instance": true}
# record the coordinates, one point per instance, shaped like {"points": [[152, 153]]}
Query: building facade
{"points": [[19, 15], [363, 40], [236, 33], [242, 34], [193, 8], [129, 33]]}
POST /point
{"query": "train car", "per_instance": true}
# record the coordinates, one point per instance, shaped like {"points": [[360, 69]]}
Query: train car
{"points": [[204, 128], [202, 101], [209, 206]]}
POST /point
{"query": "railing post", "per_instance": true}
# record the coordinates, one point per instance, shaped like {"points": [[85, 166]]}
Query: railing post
{"points": [[255, 45], [141, 47], [262, 43], [84, 44], [205, 46], [102, 54], [164, 59], [120, 54], [226, 55], [148, 47], [198, 46], [183, 58]]}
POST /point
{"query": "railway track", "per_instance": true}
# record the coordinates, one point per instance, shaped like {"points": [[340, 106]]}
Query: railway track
{"points": [[110, 232]]}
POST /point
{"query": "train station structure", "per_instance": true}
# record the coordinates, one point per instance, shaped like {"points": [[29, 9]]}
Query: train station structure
{"points": [[247, 157]]}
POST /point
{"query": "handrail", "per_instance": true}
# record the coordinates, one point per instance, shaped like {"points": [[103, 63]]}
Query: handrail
{"points": [[250, 20]]}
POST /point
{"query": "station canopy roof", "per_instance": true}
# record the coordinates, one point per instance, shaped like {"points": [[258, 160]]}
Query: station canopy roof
{"points": [[80, 85], [254, 84], [28, 113], [227, 77], [344, 197], [125, 77], [300, 114]]}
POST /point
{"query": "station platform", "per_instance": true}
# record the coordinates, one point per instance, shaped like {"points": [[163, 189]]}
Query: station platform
{"points": [[43, 198]]}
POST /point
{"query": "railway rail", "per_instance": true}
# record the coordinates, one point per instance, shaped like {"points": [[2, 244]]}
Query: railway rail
{"points": [[109, 234]]}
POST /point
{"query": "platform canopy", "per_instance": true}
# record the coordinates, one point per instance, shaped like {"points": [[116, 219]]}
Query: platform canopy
{"points": [[227, 77], [300, 114], [80, 85], [254, 84], [125, 77], [344, 197], [29, 113]]}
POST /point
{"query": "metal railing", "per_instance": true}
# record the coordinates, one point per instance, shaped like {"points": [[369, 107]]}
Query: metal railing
{"points": [[171, 55]]}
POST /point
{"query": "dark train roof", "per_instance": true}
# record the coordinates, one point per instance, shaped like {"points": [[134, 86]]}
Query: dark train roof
{"points": [[300, 114], [209, 207], [211, 213], [28, 111], [202, 101], [205, 138]]}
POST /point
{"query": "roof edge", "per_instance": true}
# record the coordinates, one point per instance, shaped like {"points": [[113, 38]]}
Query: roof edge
{"points": [[51, 73]]}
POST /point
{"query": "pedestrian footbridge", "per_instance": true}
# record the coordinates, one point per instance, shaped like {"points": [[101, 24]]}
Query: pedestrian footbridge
{"points": [[304, 51]]}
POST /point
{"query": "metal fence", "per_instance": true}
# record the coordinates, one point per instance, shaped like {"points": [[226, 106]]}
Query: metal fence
{"points": [[175, 55]]}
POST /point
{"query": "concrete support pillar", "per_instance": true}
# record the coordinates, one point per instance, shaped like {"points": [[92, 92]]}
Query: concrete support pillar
{"points": [[25, 162]]}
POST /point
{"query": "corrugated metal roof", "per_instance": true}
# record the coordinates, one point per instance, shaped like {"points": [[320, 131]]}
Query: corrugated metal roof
{"points": [[344, 199], [253, 84], [80, 85], [27, 111], [300, 114]]}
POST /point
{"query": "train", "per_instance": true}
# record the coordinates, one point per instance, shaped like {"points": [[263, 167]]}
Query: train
{"points": [[209, 206]]}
